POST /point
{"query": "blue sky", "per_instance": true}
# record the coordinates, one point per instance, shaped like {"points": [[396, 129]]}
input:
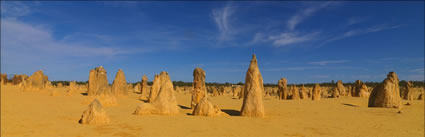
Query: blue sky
{"points": [[305, 42]]}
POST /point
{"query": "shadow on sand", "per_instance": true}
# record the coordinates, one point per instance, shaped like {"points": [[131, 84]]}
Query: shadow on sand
{"points": [[351, 105], [231, 112], [184, 107], [145, 101], [84, 94]]}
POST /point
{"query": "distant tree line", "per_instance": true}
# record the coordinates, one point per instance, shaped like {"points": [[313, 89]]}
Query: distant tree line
{"points": [[66, 83], [327, 84]]}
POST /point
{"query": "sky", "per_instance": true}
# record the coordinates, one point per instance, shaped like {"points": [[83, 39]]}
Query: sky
{"points": [[305, 42]]}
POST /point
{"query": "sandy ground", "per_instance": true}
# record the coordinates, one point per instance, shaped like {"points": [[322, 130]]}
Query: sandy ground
{"points": [[39, 114]]}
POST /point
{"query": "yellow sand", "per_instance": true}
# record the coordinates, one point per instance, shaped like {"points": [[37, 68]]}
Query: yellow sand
{"points": [[39, 114]]}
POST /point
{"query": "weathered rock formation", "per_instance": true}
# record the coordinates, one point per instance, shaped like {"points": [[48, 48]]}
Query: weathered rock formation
{"points": [[303, 94], [364, 91], [360, 89], [199, 88], [106, 98], [421, 96], [59, 85], [98, 81], [130, 87], [144, 86], [253, 97], [155, 88], [94, 115], [215, 91], [316, 92], [282, 89], [137, 88], [341, 89], [295, 93], [3, 78], [99, 88], [119, 86], [165, 103], [242, 92], [18, 79], [236, 91], [36, 81], [335, 93], [72, 88], [221, 90], [349, 89], [408, 91], [386, 94], [206, 108]]}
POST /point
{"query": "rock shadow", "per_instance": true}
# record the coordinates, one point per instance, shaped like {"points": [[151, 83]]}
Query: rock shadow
{"points": [[231, 112], [351, 105], [145, 101], [183, 107]]}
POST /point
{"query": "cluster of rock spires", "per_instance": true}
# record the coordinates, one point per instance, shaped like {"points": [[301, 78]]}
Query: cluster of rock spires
{"points": [[160, 97], [360, 90], [164, 102], [98, 87], [36, 82], [200, 104]]}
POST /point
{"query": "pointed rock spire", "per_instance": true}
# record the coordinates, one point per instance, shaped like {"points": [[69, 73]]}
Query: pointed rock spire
{"points": [[253, 93]]}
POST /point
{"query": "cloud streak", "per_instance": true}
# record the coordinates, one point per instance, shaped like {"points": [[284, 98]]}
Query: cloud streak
{"points": [[364, 31], [14, 9], [302, 15], [24, 35], [221, 18], [326, 62], [288, 38]]}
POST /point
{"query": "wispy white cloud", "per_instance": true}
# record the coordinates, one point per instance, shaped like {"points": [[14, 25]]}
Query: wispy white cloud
{"points": [[19, 34], [326, 62], [369, 30], [356, 32], [14, 9], [302, 15], [259, 37], [288, 38], [221, 17], [291, 36], [418, 70], [389, 60]]}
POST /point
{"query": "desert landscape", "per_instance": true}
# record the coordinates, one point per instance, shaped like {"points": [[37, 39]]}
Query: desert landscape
{"points": [[212, 69], [32, 106]]}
